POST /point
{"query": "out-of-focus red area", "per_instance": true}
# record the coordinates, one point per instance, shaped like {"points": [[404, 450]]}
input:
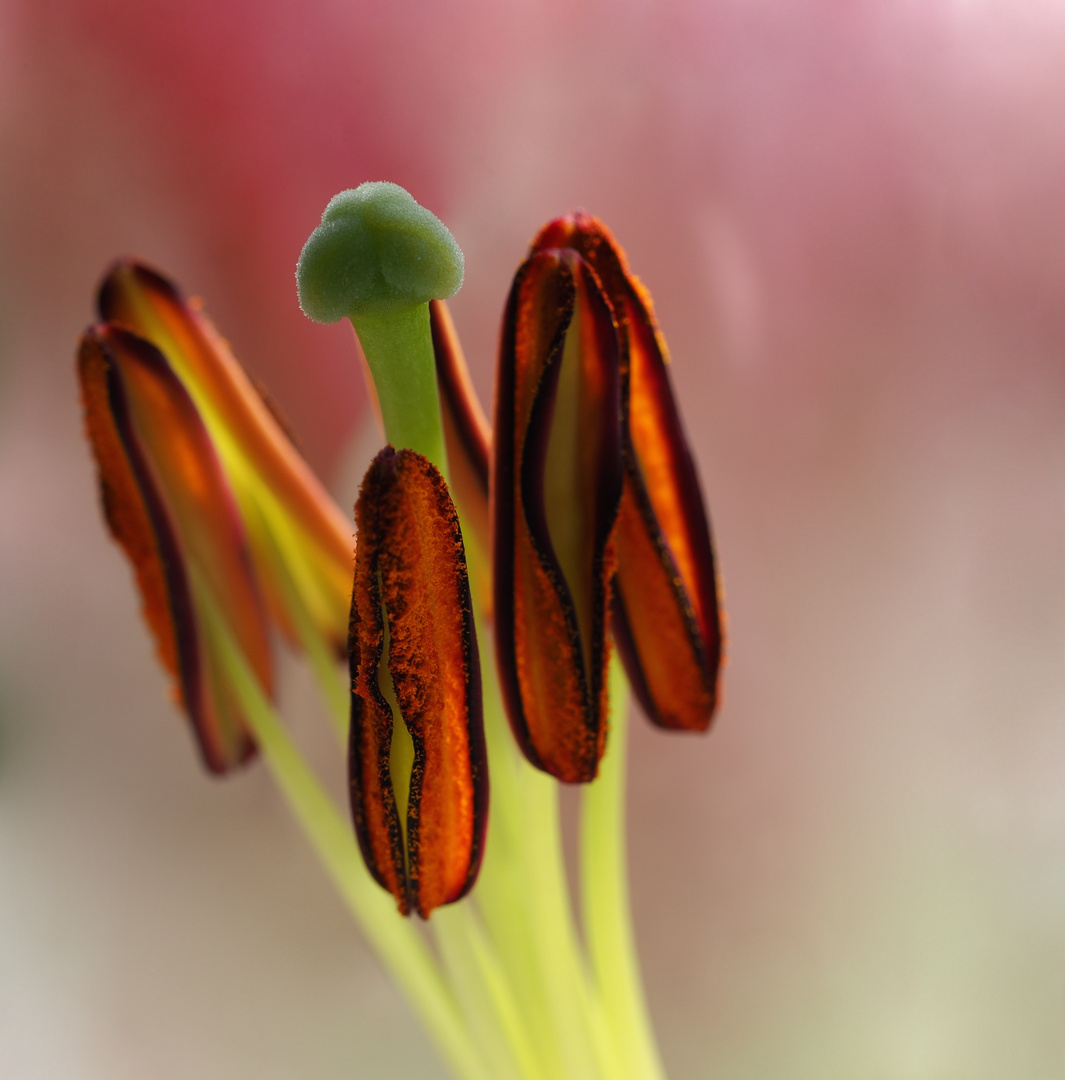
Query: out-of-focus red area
{"points": [[210, 136], [851, 219]]}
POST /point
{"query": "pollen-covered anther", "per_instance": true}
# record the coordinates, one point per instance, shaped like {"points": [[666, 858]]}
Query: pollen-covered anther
{"points": [[169, 504], [466, 430], [666, 617], [556, 484], [418, 773], [284, 505]]}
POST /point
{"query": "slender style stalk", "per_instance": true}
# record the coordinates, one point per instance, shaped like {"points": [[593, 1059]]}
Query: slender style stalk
{"points": [[605, 898], [398, 347]]}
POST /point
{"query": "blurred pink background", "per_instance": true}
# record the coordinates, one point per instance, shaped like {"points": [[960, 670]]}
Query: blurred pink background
{"points": [[852, 219]]}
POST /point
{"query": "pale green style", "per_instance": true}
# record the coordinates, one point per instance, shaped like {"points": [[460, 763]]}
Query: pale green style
{"points": [[378, 258]]}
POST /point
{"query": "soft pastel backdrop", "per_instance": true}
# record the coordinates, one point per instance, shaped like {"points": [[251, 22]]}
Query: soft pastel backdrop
{"points": [[852, 219]]}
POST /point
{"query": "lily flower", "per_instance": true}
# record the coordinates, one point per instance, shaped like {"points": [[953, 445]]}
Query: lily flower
{"points": [[666, 619], [419, 775], [169, 503], [584, 497]]}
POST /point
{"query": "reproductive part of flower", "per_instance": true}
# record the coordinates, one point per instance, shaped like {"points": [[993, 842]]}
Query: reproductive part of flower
{"points": [[666, 619], [556, 485], [467, 434], [300, 542], [418, 771], [378, 258], [169, 504]]}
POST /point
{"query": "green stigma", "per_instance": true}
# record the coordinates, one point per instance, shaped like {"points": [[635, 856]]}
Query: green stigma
{"points": [[376, 250]]}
